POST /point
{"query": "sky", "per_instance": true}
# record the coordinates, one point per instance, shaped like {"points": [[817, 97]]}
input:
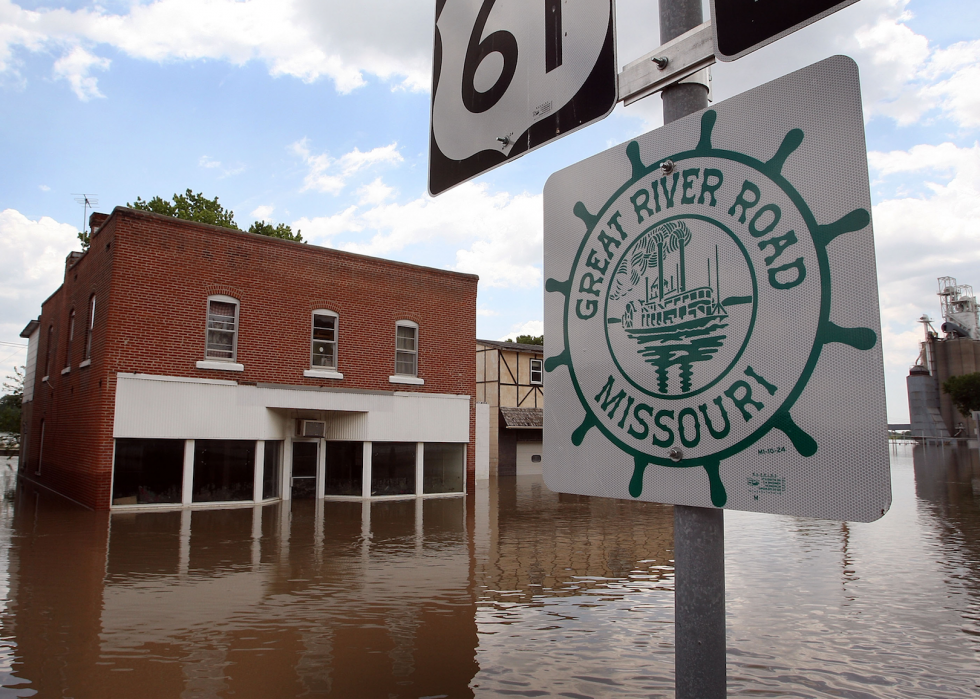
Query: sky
{"points": [[315, 113]]}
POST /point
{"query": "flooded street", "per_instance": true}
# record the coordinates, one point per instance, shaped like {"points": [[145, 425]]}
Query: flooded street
{"points": [[513, 591]]}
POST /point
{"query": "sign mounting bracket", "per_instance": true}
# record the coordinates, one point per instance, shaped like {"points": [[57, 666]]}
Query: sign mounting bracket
{"points": [[681, 58]]}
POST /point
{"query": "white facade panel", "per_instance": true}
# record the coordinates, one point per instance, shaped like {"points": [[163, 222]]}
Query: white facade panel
{"points": [[30, 370], [181, 408], [526, 465], [482, 442]]}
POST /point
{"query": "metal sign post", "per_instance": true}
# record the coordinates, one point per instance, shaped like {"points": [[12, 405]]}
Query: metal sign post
{"points": [[510, 76], [700, 650]]}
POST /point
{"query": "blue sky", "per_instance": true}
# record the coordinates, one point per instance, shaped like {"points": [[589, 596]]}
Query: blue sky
{"points": [[315, 113]]}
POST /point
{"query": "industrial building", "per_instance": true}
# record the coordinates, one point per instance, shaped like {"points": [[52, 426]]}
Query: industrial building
{"points": [[187, 365], [955, 353]]}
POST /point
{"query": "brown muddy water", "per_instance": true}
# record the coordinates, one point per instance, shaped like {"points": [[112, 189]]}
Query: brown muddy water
{"points": [[515, 591]]}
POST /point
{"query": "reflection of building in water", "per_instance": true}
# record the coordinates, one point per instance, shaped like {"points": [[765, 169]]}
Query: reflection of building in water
{"points": [[931, 411], [948, 477], [544, 543], [947, 474], [348, 599], [187, 365]]}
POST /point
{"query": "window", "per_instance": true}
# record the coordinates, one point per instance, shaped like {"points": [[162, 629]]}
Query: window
{"points": [[537, 376], [148, 471], [222, 336], [71, 336], [270, 472], [88, 328], [344, 472], [47, 352], [393, 468], [324, 354], [224, 470], [442, 468], [406, 348]]}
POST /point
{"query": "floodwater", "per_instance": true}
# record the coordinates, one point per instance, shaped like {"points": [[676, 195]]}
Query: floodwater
{"points": [[514, 591]]}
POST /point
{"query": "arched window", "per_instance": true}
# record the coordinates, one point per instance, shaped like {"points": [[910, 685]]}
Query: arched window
{"points": [[324, 340], [406, 348], [222, 328], [71, 336], [47, 352], [89, 327]]}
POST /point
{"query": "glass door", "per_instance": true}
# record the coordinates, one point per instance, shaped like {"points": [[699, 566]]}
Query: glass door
{"points": [[304, 470]]}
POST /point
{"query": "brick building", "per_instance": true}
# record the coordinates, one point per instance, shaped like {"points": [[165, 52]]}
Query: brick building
{"points": [[182, 364], [510, 379]]}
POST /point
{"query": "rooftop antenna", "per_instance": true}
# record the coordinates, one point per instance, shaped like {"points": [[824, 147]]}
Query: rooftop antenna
{"points": [[88, 201]]}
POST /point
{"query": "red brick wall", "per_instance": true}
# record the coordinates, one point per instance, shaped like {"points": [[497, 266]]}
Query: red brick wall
{"points": [[77, 407], [156, 274]]}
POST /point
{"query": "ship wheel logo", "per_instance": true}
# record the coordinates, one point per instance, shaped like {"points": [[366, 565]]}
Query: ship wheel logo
{"points": [[697, 307]]}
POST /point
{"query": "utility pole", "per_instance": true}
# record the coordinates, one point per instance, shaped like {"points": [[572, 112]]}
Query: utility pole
{"points": [[699, 532]]}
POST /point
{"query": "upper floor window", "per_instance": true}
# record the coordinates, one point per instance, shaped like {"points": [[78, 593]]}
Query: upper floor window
{"points": [[406, 348], [324, 350], [89, 326], [222, 334], [537, 374], [47, 351], [71, 336]]}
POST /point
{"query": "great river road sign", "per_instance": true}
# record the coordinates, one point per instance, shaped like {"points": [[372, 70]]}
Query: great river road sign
{"points": [[509, 76], [712, 335]]}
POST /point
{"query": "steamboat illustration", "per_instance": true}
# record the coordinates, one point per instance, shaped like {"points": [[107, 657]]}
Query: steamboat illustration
{"points": [[674, 325]]}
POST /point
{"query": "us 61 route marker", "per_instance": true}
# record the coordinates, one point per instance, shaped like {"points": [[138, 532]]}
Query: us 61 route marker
{"points": [[711, 310], [512, 75]]}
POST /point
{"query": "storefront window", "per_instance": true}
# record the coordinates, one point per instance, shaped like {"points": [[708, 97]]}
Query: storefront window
{"points": [[392, 468], [270, 473], [344, 468], [148, 471], [224, 470], [442, 468]]}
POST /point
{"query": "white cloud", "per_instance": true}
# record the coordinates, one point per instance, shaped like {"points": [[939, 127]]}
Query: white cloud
{"points": [[920, 238], [34, 255], [330, 175], [306, 39], [531, 327], [208, 163], [487, 312], [74, 67], [957, 93], [374, 193], [495, 235], [44, 188], [263, 212]]}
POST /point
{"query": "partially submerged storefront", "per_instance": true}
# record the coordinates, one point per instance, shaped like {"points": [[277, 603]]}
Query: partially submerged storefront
{"points": [[206, 442], [186, 365]]}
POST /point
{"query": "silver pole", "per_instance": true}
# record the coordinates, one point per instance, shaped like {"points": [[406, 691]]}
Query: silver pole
{"points": [[699, 532]]}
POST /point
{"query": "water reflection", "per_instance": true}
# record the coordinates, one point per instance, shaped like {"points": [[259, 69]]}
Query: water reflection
{"points": [[514, 591]]}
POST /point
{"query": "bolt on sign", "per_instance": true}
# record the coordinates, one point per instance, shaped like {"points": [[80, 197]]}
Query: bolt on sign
{"points": [[711, 310], [510, 76]]}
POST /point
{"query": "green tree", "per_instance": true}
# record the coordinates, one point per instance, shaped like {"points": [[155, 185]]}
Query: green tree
{"points": [[529, 339], [279, 231], [10, 408], [965, 392], [190, 207]]}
